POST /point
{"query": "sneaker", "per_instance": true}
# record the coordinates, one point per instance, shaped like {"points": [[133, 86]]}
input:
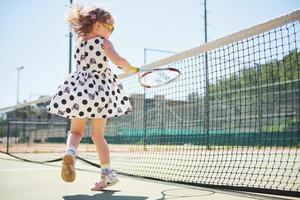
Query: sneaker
{"points": [[68, 168], [107, 179]]}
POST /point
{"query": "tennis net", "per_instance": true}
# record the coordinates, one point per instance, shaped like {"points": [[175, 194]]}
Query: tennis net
{"points": [[232, 120]]}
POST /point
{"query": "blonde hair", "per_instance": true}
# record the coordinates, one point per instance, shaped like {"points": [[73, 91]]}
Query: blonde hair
{"points": [[81, 21]]}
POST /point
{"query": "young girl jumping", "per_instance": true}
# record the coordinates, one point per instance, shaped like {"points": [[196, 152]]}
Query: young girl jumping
{"points": [[93, 91]]}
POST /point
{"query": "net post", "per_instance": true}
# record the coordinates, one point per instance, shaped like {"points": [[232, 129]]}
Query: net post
{"points": [[7, 137], [145, 122], [206, 104]]}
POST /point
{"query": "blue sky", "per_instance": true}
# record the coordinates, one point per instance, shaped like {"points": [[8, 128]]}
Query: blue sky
{"points": [[33, 34]]}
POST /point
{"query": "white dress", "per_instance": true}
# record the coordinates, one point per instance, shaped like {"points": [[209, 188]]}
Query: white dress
{"points": [[93, 90]]}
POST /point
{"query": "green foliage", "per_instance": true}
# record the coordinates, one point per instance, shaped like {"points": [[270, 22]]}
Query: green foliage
{"points": [[257, 89], [275, 71]]}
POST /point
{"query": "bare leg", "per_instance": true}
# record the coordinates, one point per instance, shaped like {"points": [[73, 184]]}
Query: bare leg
{"points": [[73, 140], [76, 132], [108, 176], [97, 128]]}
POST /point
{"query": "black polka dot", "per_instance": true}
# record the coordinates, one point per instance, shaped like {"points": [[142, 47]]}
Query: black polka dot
{"points": [[91, 85], [68, 110], [81, 44], [113, 92], [100, 65], [104, 58], [77, 50], [118, 91], [84, 102], [87, 66], [66, 82], [103, 116], [81, 113], [86, 54], [96, 93], [103, 99], [91, 47], [98, 53], [75, 56], [85, 42], [106, 106], [89, 109], [72, 83], [103, 82], [78, 62], [60, 93], [55, 105], [96, 104], [115, 105], [109, 81], [107, 93], [125, 98], [85, 91], [115, 76], [97, 41], [71, 97], [96, 76], [122, 102], [94, 82], [92, 115], [63, 101], [79, 94], [110, 111]]}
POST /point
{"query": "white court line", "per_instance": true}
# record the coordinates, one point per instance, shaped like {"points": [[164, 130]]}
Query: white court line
{"points": [[27, 169]]}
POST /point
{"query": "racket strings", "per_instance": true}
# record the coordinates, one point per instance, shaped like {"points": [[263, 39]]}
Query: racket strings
{"points": [[158, 77]]}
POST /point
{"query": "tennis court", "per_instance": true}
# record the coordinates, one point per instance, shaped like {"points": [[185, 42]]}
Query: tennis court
{"points": [[42, 181], [230, 122]]}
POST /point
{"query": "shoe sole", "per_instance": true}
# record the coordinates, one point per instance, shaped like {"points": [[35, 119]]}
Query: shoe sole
{"points": [[68, 169], [108, 185]]}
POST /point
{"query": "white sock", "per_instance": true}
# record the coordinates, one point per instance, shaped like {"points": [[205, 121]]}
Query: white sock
{"points": [[71, 150], [105, 168]]}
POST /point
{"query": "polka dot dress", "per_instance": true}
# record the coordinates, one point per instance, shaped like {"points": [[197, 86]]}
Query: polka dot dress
{"points": [[93, 90]]}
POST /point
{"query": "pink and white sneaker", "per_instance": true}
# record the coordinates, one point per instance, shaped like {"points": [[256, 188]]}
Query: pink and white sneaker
{"points": [[107, 179]]}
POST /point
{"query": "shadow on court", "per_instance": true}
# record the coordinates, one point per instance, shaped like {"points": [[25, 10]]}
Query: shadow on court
{"points": [[105, 194]]}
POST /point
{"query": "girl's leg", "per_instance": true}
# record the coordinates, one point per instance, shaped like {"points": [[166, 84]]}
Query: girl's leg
{"points": [[97, 129], [108, 176], [75, 134]]}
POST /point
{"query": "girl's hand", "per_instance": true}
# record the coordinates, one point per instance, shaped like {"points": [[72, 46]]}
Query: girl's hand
{"points": [[133, 69]]}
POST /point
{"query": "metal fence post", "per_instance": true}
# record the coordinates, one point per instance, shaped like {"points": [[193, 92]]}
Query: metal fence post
{"points": [[7, 137]]}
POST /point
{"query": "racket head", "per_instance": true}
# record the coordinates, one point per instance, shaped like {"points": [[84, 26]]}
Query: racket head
{"points": [[151, 78]]}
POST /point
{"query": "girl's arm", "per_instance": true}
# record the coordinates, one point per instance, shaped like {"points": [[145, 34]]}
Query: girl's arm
{"points": [[121, 62]]}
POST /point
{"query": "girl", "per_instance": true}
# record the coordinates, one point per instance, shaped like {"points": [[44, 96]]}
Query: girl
{"points": [[93, 91]]}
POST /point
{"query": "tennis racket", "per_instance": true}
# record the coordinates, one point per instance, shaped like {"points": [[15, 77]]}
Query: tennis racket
{"points": [[151, 78]]}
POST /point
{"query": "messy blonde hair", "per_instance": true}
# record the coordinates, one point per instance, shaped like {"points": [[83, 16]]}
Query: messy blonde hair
{"points": [[81, 21]]}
